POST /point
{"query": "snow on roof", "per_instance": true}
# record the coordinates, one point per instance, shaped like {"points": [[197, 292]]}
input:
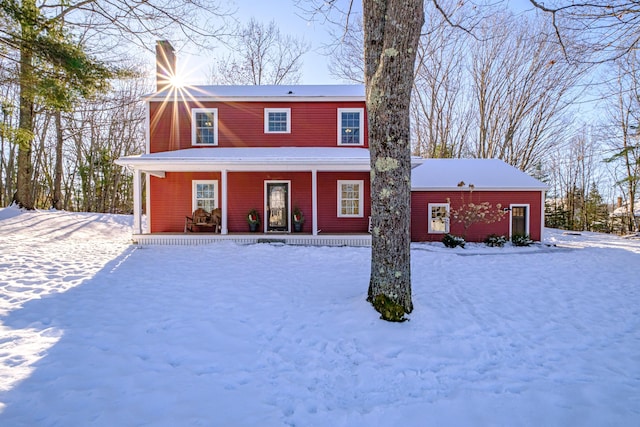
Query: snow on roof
{"points": [[484, 174], [624, 210], [258, 154], [263, 158], [277, 92]]}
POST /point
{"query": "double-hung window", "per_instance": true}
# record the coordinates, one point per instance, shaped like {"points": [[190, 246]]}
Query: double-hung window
{"points": [[438, 218], [350, 126], [277, 120], [205, 195], [350, 199], [204, 126]]}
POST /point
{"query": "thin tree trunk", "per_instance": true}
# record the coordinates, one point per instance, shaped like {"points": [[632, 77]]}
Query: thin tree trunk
{"points": [[392, 29], [25, 126], [57, 180]]}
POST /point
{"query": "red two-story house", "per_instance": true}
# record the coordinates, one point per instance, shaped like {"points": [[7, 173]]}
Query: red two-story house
{"points": [[272, 149]]}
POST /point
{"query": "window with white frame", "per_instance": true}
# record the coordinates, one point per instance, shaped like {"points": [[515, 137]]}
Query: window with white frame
{"points": [[438, 218], [204, 126], [350, 126], [277, 120], [350, 199], [205, 195]]}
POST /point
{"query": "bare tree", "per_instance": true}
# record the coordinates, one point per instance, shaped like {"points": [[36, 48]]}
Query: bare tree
{"points": [[50, 41], [624, 131], [439, 116], [594, 31], [523, 88], [261, 55]]}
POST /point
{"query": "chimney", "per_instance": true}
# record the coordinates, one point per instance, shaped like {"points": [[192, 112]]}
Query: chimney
{"points": [[619, 202], [165, 64]]}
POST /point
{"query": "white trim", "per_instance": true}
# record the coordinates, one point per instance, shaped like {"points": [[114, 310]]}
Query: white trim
{"points": [[542, 214], [147, 180], [194, 201], [264, 210], [527, 218], [360, 183], [314, 201], [194, 111], [188, 98], [361, 126], [277, 110], [147, 129], [137, 201], [447, 222], [223, 202]]}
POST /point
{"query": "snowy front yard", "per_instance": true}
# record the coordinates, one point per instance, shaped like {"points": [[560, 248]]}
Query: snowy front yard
{"points": [[97, 332]]}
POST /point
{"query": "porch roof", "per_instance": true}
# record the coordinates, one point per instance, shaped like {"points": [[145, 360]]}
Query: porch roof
{"points": [[484, 174], [251, 159]]}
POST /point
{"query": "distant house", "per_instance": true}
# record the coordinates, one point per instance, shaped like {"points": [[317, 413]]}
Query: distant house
{"points": [[279, 148], [621, 216]]}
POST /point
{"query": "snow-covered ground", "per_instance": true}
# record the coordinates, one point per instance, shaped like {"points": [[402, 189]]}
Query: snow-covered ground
{"points": [[95, 331]]}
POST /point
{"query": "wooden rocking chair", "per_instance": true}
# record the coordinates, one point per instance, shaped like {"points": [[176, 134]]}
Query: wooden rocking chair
{"points": [[202, 219]]}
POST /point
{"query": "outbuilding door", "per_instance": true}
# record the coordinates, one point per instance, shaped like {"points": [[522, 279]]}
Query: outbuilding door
{"points": [[519, 220], [277, 209]]}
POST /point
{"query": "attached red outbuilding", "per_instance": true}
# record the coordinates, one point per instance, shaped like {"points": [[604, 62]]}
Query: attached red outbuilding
{"points": [[495, 197]]}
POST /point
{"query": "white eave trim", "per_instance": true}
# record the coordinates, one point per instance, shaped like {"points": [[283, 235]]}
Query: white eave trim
{"points": [[476, 188], [163, 98]]}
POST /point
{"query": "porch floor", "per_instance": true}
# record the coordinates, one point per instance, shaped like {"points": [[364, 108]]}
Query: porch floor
{"points": [[203, 238]]}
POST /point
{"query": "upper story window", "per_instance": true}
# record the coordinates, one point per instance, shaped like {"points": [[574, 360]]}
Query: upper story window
{"points": [[438, 218], [350, 198], [350, 126], [204, 126], [277, 120]]}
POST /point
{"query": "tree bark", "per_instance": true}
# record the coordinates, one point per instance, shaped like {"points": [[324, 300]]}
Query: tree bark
{"points": [[57, 180], [25, 125], [391, 34]]}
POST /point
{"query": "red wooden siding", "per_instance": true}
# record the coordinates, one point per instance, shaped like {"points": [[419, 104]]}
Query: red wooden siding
{"points": [[241, 124], [171, 199], [477, 232], [328, 220], [246, 191]]}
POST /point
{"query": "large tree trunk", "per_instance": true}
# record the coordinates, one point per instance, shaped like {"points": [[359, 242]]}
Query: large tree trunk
{"points": [[392, 30]]}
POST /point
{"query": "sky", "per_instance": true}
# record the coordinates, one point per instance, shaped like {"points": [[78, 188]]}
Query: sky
{"points": [[291, 20]]}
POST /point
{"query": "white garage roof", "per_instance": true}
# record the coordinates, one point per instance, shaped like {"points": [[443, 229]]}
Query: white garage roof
{"points": [[484, 174]]}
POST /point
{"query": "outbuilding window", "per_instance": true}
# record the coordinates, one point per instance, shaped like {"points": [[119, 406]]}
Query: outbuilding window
{"points": [[204, 126], [438, 218], [350, 199]]}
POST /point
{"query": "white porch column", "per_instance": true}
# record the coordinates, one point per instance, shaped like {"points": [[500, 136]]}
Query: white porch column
{"points": [[223, 201], [314, 200], [542, 218], [137, 202]]}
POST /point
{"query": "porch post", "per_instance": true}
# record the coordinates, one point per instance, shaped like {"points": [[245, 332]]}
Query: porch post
{"points": [[314, 201], [137, 202], [223, 201]]}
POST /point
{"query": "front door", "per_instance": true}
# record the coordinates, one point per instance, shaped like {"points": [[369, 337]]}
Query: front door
{"points": [[518, 220], [277, 206]]}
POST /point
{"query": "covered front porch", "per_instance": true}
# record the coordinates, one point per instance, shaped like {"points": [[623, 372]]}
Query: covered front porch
{"points": [[237, 173]]}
